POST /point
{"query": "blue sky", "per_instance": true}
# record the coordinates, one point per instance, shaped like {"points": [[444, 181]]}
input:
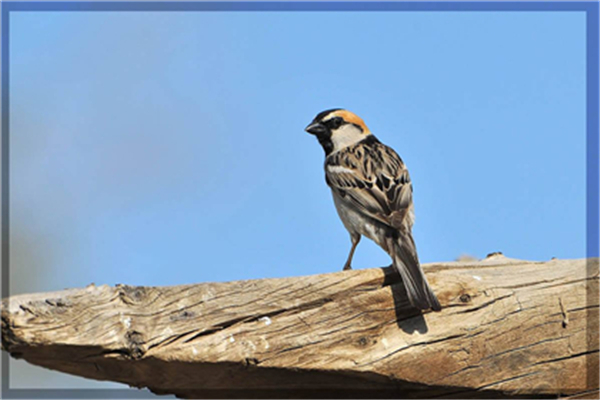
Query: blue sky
{"points": [[154, 148]]}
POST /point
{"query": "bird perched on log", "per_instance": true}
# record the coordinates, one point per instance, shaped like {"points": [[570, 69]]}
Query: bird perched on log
{"points": [[372, 193]]}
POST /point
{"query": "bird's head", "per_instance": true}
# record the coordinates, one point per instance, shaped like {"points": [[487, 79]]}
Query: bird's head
{"points": [[337, 128]]}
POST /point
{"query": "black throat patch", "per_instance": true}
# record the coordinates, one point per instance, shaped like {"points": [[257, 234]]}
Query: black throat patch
{"points": [[325, 141]]}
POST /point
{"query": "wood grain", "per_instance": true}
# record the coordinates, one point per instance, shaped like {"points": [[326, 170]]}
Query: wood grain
{"points": [[508, 328]]}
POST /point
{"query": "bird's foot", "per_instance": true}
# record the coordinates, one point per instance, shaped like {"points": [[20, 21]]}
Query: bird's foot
{"points": [[347, 267]]}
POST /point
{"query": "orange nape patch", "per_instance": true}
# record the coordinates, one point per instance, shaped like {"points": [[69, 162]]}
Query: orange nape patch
{"points": [[352, 118]]}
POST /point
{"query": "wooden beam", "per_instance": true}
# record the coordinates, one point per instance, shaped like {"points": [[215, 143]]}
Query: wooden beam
{"points": [[508, 328]]}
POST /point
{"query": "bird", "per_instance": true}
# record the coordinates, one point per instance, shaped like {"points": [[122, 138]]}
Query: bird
{"points": [[373, 195]]}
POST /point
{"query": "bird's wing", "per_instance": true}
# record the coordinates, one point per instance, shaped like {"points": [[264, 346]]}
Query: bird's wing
{"points": [[373, 179]]}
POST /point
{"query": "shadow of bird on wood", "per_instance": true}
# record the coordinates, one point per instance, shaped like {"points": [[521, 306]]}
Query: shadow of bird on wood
{"points": [[408, 318]]}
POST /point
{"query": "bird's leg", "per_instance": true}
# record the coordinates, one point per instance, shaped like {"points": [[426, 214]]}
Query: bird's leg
{"points": [[355, 239]]}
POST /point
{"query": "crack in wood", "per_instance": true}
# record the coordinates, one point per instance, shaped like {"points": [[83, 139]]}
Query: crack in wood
{"points": [[425, 343], [585, 353], [520, 348], [486, 304], [488, 385]]}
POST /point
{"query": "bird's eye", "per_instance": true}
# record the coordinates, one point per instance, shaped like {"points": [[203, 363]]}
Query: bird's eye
{"points": [[335, 123]]}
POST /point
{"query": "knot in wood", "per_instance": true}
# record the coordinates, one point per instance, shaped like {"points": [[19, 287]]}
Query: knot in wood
{"points": [[465, 297], [182, 316], [9, 339], [58, 302], [135, 343], [131, 294]]}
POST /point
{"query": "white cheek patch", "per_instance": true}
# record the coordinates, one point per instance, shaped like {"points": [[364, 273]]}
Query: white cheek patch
{"points": [[345, 136]]}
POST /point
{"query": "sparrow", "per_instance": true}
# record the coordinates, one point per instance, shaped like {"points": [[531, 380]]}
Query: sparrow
{"points": [[372, 192]]}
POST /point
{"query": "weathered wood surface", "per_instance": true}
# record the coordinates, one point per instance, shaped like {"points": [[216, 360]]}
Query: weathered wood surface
{"points": [[508, 328]]}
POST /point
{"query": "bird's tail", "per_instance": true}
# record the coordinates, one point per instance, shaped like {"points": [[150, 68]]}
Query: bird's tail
{"points": [[406, 262]]}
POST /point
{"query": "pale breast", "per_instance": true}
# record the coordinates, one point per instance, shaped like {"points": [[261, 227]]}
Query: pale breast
{"points": [[355, 222]]}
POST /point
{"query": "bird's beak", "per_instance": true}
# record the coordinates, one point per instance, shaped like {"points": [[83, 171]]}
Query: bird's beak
{"points": [[316, 128]]}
